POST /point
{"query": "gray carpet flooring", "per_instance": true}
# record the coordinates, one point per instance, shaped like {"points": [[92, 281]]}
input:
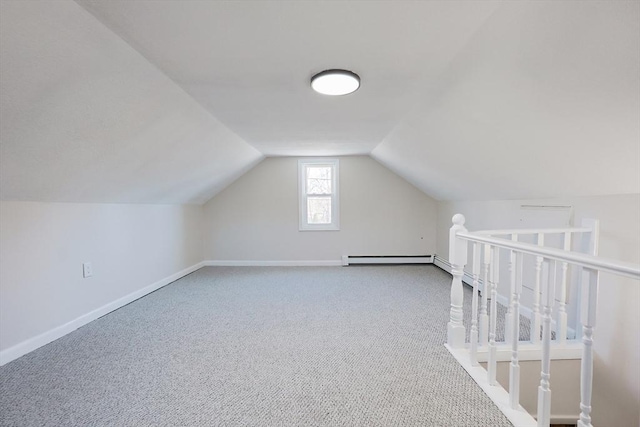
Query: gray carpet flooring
{"points": [[252, 346]]}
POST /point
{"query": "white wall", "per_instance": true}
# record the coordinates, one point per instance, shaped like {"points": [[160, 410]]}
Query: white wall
{"points": [[256, 218], [617, 335], [544, 81], [43, 246]]}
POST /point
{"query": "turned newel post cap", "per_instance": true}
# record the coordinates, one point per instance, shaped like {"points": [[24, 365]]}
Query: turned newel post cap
{"points": [[458, 219], [457, 247]]}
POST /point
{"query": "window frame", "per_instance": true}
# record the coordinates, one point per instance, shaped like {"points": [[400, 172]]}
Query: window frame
{"points": [[303, 224]]}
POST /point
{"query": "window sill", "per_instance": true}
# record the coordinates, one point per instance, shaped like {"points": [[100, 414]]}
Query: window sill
{"points": [[324, 228]]}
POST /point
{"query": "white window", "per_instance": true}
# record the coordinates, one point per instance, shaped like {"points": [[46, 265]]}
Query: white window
{"points": [[318, 187]]}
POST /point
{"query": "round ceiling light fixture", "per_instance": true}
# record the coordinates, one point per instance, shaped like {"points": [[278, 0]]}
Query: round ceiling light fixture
{"points": [[335, 82]]}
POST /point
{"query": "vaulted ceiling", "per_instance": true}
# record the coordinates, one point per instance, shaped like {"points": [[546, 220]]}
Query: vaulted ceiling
{"points": [[170, 101]]}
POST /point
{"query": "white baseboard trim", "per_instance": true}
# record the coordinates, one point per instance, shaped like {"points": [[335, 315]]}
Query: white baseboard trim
{"points": [[271, 263], [38, 341]]}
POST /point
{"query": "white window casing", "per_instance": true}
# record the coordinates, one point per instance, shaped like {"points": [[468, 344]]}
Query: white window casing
{"points": [[318, 194]]}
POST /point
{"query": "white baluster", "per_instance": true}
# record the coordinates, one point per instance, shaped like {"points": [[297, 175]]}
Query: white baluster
{"points": [[473, 337], [561, 321], [588, 315], [536, 318], [514, 371], [508, 332], [589, 244], [548, 297], [458, 259], [484, 317], [493, 316]]}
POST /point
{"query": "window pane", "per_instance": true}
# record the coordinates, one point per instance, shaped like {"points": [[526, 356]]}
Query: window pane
{"points": [[318, 194], [318, 186], [319, 180], [319, 210], [322, 172]]}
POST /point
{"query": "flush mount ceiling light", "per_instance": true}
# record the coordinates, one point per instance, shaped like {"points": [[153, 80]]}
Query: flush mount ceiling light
{"points": [[335, 82]]}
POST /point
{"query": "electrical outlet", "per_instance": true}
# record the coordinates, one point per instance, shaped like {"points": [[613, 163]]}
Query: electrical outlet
{"points": [[87, 270]]}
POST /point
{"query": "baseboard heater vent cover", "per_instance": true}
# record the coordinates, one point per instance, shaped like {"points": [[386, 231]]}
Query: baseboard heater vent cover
{"points": [[386, 259]]}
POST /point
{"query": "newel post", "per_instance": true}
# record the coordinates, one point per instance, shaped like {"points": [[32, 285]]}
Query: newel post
{"points": [[458, 259]]}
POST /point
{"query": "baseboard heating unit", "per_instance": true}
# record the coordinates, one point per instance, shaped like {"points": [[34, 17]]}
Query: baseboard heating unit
{"points": [[386, 259]]}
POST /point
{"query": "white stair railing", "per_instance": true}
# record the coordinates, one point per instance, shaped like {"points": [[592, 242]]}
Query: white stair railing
{"points": [[455, 328], [493, 320], [514, 368], [562, 303], [544, 390], [536, 316], [474, 305], [484, 316], [590, 298], [486, 247]]}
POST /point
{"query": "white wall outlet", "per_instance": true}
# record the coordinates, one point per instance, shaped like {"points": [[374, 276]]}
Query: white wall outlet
{"points": [[87, 270]]}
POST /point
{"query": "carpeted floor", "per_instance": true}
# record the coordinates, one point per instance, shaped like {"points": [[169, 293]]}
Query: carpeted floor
{"points": [[253, 346]]}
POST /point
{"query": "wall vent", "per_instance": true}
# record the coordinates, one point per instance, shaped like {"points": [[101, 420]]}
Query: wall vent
{"points": [[386, 259]]}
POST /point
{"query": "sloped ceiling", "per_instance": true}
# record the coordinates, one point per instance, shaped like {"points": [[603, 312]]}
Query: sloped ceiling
{"points": [[249, 62], [543, 101], [86, 118], [169, 101]]}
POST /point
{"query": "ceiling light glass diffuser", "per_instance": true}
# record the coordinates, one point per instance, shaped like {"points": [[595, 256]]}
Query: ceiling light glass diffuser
{"points": [[335, 82]]}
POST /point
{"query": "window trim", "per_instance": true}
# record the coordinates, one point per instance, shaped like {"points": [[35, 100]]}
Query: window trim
{"points": [[303, 225]]}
